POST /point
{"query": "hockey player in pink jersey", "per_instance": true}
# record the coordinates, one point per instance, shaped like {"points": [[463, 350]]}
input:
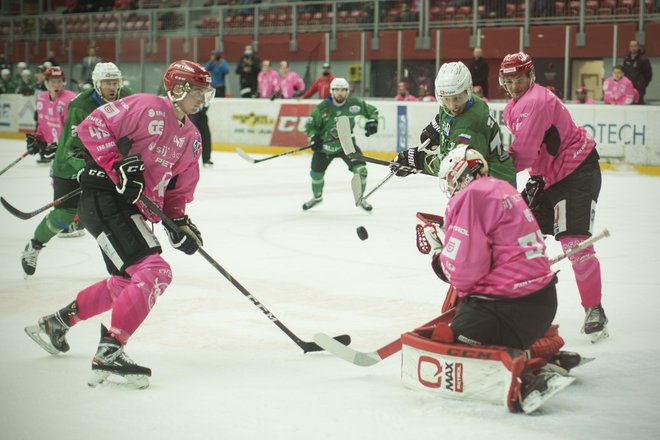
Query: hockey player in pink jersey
{"points": [[618, 89], [51, 112], [140, 145], [493, 253], [565, 176]]}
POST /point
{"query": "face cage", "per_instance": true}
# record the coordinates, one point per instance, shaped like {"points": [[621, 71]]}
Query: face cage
{"points": [[97, 87], [458, 177]]}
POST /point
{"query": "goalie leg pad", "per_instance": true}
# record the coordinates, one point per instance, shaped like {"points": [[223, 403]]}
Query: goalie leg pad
{"points": [[486, 373]]}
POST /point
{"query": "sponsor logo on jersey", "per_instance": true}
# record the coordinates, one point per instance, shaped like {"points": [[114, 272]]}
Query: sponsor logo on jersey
{"points": [[196, 145], [354, 109], [109, 109], [155, 127], [464, 138], [460, 230], [451, 248]]}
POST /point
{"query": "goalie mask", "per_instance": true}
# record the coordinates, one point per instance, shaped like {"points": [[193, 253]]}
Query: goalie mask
{"points": [[460, 167], [186, 77]]}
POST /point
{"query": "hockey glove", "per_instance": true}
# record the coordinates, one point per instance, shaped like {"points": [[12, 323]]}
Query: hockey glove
{"points": [[131, 177], [187, 238], [371, 127], [411, 157], [48, 151], [428, 240], [317, 142], [533, 192], [432, 132], [34, 144]]}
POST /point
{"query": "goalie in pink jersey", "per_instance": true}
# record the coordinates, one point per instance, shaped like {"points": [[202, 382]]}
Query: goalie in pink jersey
{"points": [[139, 145], [493, 254], [565, 176], [51, 112]]}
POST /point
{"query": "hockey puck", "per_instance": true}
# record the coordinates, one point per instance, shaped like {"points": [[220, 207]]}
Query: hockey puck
{"points": [[362, 233]]}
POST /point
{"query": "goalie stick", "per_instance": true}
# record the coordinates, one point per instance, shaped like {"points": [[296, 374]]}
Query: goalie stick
{"points": [[20, 158], [366, 359], [247, 157], [304, 345], [28, 215]]}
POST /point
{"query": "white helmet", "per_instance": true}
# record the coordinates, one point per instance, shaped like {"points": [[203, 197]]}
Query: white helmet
{"points": [[103, 71], [461, 166], [452, 79], [338, 83]]}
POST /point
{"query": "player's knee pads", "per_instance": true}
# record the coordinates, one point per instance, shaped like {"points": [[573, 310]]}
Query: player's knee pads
{"points": [[60, 218], [152, 274], [317, 176], [361, 170]]}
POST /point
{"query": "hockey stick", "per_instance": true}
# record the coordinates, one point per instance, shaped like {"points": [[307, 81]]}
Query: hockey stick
{"points": [[346, 140], [306, 346], [366, 359], [247, 157], [20, 158], [28, 215]]}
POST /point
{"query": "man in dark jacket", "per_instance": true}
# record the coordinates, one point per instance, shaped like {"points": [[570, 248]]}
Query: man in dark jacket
{"points": [[248, 70], [479, 70], [637, 68]]}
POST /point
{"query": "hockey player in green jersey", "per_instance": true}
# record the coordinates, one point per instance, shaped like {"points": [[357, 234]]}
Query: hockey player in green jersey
{"points": [[463, 119], [322, 131], [69, 161]]}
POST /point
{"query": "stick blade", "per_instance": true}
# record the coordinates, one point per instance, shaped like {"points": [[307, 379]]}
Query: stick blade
{"points": [[345, 135], [356, 187], [310, 347], [244, 155], [346, 353], [20, 214]]}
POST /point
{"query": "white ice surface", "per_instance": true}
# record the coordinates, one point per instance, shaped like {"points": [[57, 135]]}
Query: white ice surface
{"points": [[222, 370]]}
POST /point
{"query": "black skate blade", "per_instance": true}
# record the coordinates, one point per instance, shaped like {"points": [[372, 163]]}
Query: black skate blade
{"points": [[108, 378], [34, 332]]}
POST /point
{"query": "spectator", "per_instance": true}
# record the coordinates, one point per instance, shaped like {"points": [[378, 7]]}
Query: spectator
{"points": [[424, 95], [7, 85], [638, 69], [26, 85], [479, 91], [20, 67], [218, 67], [582, 97], [322, 84], [291, 84], [268, 80], [4, 64], [619, 90], [40, 84], [248, 70], [479, 70], [51, 58], [201, 121], [403, 94], [88, 64]]}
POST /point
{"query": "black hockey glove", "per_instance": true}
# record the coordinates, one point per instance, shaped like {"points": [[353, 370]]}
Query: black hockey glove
{"points": [[317, 142], [412, 158], [432, 132], [131, 177], [48, 151], [533, 192], [371, 127], [187, 238], [34, 144]]}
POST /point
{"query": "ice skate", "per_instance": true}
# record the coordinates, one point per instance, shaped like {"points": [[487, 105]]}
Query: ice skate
{"points": [[111, 360], [565, 361], [366, 206], [50, 331], [74, 230], [29, 257], [312, 202], [537, 389], [595, 323]]}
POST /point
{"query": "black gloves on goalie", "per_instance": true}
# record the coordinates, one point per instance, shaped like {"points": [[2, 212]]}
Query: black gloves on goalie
{"points": [[317, 142], [412, 158], [432, 132], [34, 144], [187, 238], [131, 177], [371, 127]]}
